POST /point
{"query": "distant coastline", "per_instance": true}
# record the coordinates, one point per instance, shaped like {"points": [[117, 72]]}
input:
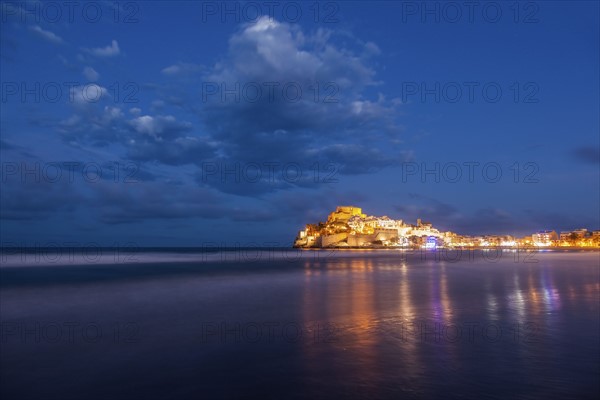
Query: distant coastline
{"points": [[349, 228]]}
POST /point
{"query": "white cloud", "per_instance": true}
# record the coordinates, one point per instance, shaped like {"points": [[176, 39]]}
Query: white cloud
{"points": [[90, 121], [72, 122], [47, 35], [91, 74], [353, 129], [145, 124], [181, 68], [86, 94], [372, 48], [157, 105], [171, 70], [269, 50], [159, 126], [108, 51], [346, 125], [263, 24], [112, 113]]}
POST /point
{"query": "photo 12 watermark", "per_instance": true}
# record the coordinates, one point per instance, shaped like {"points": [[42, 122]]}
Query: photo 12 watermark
{"points": [[269, 92], [69, 92], [60, 12], [470, 172], [267, 332], [69, 172], [18, 253], [471, 332], [260, 252], [490, 249], [269, 172], [68, 332], [470, 12], [418, 331], [469, 92], [325, 12]]}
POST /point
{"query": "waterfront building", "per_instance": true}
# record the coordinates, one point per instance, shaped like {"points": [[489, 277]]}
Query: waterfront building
{"points": [[544, 238]]}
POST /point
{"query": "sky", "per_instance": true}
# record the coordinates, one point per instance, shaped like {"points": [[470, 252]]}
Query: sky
{"points": [[236, 123]]}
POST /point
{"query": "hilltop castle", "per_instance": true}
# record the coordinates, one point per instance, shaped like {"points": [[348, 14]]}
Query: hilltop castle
{"points": [[348, 226]]}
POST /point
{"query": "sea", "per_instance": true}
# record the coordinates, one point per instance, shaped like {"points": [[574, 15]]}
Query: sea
{"points": [[275, 323]]}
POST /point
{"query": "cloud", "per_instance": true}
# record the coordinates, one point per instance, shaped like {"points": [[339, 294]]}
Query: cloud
{"points": [[310, 107], [483, 221], [442, 215], [445, 216], [159, 126], [145, 198], [298, 97], [34, 198], [356, 158], [82, 96], [46, 35], [182, 68], [587, 154], [91, 74], [161, 138], [4, 145], [93, 121], [307, 206], [157, 200], [372, 49], [180, 151], [165, 139], [108, 51]]}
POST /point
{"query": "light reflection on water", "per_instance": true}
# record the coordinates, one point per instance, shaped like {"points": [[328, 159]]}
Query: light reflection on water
{"points": [[374, 325], [520, 303]]}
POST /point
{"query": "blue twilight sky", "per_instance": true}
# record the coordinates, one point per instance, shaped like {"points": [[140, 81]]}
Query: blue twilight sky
{"points": [[238, 123]]}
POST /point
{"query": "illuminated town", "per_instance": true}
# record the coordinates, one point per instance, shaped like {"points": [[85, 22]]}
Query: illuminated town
{"points": [[349, 227]]}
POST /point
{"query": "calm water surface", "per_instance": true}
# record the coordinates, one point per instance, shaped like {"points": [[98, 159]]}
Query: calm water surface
{"points": [[261, 324]]}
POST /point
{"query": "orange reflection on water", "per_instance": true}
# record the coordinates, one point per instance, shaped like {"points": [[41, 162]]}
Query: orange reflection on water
{"points": [[408, 317], [346, 295], [517, 300], [444, 306], [535, 298]]}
